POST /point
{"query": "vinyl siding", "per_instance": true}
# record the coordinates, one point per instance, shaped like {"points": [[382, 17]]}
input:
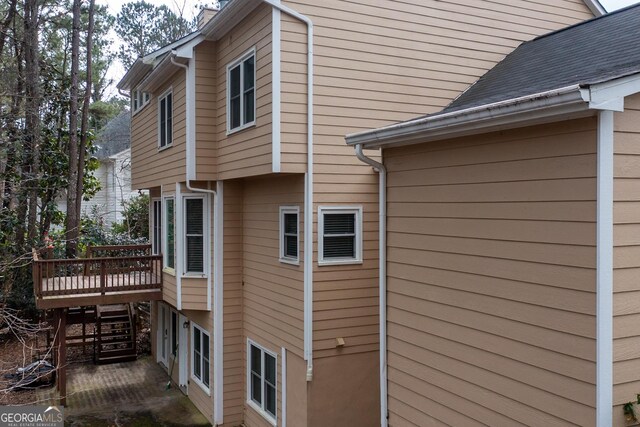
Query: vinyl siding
{"points": [[273, 291], [151, 167], [199, 397], [626, 259], [491, 278], [206, 110], [376, 63], [247, 152]]}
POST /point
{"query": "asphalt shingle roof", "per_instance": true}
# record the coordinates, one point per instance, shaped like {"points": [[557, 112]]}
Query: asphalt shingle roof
{"points": [[589, 52]]}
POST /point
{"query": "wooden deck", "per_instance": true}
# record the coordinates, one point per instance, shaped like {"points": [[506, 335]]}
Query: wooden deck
{"points": [[62, 283]]}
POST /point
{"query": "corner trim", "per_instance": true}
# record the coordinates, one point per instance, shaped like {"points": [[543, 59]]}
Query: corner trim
{"points": [[276, 89]]}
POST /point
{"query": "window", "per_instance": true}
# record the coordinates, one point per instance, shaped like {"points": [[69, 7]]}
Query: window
{"points": [[241, 92], [174, 333], [165, 120], [200, 352], [261, 378], [164, 332], [139, 100], [169, 238], [289, 236], [156, 226], [340, 235], [194, 217]]}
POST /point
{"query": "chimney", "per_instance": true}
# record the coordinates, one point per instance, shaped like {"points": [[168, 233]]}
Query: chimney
{"points": [[206, 13]]}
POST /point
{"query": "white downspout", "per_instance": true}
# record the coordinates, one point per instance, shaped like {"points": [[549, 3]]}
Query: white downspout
{"points": [[218, 235], [382, 280], [308, 199], [604, 271]]}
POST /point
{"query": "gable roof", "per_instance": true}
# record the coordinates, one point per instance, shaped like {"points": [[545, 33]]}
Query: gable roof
{"points": [[589, 52], [552, 70]]}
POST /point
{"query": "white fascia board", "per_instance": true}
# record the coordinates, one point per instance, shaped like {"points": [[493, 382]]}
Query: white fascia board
{"points": [[228, 17], [532, 109], [137, 71], [186, 50], [613, 92], [151, 57]]}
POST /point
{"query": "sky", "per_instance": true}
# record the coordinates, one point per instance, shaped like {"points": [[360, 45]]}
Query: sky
{"points": [[116, 70]]}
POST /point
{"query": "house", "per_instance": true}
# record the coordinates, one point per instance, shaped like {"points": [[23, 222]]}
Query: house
{"points": [[512, 239], [113, 173], [267, 224]]}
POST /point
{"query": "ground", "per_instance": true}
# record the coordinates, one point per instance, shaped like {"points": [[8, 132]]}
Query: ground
{"points": [[125, 394]]}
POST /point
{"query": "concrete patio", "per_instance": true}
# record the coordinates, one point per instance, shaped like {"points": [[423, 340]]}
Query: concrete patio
{"points": [[122, 394]]}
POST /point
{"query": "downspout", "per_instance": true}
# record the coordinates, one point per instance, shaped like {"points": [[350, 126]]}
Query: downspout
{"points": [[308, 199], [218, 235], [604, 271], [382, 279]]}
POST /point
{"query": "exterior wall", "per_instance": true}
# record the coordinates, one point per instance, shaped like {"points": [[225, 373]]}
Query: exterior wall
{"points": [[151, 167], [273, 291], [376, 64], [247, 152], [491, 278], [626, 230], [206, 110], [200, 398]]}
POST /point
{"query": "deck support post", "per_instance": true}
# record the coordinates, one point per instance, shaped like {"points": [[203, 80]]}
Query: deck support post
{"points": [[61, 352]]}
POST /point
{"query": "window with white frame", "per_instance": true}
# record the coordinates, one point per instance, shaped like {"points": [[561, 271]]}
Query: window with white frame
{"points": [[156, 227], [340, 235], [194, 234], [289, 234], [261, 378], [169, 233], [165, 120], [200, 353], [241, 92], [139, 99]]}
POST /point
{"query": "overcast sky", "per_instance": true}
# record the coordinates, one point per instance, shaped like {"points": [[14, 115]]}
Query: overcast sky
{"points": [[190, 9]]}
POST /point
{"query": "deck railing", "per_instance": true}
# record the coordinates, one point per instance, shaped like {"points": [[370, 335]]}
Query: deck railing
{"points": [[103, 275]]}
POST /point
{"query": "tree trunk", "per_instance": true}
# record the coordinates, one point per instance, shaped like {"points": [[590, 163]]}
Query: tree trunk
{"points": [[85, 112], [73, 219]]}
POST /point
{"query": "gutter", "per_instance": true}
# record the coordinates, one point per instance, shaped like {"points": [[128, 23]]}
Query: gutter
{"points": [[308, 199], [382, 277], [540, 106], [217, 275]]}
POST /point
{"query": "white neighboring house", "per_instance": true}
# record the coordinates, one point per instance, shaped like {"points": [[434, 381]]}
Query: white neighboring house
{"points": [[114, 174]]}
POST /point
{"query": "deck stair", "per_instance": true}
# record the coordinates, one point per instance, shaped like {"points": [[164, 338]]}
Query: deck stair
{"points": [[115, 333]]}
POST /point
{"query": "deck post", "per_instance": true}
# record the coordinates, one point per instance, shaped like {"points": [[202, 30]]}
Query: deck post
{"points": [[60, 354], [103, 276]]}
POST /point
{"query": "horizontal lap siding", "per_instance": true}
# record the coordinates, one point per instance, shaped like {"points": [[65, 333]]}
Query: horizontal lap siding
{"points": [[273, 291], [247, 152], [199, 397], [150, 167], [626, 261], [376, 63], [206, 110], [234, 385], [491, 278]]}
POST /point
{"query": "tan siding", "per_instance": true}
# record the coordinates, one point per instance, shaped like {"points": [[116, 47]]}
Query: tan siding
{"points": [[194, 292], [150, 167], [273, 291], [247, 152], [199, 397], [491, 278], [206, 110], [626, 262]]}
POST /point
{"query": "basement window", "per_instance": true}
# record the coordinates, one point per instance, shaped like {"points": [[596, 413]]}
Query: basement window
{"points": [[241, 92], [289, 234], [340, 235], [200, 353], [261, 379]]}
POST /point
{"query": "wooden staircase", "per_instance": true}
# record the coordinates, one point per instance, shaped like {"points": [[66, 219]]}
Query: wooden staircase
{"points": [[115, 333]]}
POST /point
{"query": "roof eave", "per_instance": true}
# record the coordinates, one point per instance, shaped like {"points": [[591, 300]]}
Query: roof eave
{"points": [[571, 101], [228, 17], [134, 74], [595, 7]]}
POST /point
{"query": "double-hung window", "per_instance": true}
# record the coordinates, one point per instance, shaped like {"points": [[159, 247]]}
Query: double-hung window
{"points": [[156, 227], [165, 120], [194, 234], [340, 235], [261, 378], [169, 237], [241, 92], [200, 353], [289, 234]]}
